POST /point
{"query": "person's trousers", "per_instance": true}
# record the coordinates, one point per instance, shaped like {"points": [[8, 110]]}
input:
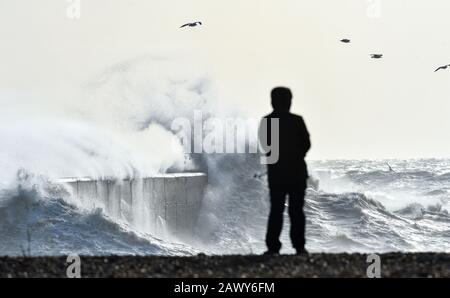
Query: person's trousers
{"points": [[296, 195]]}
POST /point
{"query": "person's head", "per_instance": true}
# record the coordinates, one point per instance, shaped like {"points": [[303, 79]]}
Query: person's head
{"points": [[281, 99]]}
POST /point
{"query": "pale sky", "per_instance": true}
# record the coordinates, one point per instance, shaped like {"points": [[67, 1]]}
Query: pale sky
{"points": [[355, 107]]}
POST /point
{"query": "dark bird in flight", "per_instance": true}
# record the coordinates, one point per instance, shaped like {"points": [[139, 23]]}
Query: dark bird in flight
{"points": [[390, 168], [191, 24], [376, 56], [345, 40], [259, 175], [442, 67]]}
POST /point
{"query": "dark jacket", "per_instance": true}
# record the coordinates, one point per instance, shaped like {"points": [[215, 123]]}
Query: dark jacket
{"points": [[294, 143]]}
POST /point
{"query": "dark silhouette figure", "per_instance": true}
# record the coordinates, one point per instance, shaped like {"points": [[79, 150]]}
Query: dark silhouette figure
{"points": [[288, 176]]}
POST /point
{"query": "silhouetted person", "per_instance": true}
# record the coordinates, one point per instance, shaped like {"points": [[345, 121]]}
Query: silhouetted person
{"points": [[287, 177]]}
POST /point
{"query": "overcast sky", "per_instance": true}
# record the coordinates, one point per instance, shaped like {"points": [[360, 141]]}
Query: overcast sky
{"points": [[355, 107]]}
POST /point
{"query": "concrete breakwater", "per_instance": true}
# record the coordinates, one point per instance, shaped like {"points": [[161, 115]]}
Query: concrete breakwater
{"points": [[167, 203]]}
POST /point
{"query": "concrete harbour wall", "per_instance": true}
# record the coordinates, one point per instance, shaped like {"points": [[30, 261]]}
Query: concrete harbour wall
{"points": [[166, 203]]}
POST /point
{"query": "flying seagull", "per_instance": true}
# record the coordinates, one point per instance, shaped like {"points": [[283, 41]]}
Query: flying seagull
{"points": [[376, 56], [259, 175], [390, 168], [442, 67], [345, 40], [191, 24]]}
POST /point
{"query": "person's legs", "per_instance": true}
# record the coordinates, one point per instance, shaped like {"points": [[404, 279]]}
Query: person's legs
{"points": [[297, 216], [275, 224]]}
